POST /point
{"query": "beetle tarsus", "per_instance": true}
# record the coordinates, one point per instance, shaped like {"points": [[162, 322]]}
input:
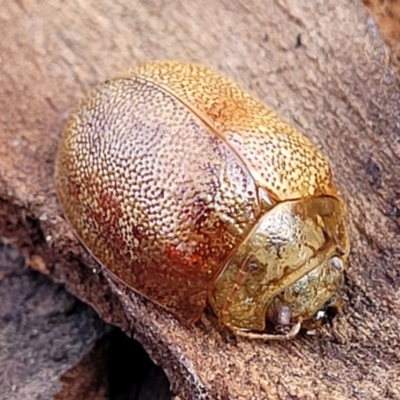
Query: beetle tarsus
{"points": [[268, 336]]}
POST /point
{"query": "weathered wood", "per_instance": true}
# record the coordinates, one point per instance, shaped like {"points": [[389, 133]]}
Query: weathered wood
{"points": [[51, 344], [323, 66], [387, 16], [88, 378], [44, 332]]}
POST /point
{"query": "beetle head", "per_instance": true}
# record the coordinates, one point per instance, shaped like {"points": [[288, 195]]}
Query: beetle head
{"points": [[288, 271], [313, 299]]}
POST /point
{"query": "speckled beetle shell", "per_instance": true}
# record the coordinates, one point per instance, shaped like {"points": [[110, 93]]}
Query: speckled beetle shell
{"points": [[189, 189]]}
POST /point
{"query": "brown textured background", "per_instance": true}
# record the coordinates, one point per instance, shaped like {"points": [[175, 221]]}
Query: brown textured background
{"points": [[323, 66], [387, 17]]}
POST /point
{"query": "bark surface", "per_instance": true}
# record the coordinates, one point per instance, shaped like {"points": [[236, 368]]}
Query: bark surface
{"points": [[45, 335], [324, 68]]}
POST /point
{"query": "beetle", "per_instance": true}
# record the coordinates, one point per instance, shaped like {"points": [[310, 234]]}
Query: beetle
{"points": [[191, 191]]}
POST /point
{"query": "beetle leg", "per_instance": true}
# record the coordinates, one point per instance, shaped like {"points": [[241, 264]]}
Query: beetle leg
{"points": [[266, 336]]}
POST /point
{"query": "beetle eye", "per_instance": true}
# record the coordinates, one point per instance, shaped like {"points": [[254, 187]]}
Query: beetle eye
{"points": [[284, 316], [336, 264]]}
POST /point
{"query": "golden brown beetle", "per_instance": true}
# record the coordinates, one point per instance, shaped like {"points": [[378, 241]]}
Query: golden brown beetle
{"points": [[189, 189]]}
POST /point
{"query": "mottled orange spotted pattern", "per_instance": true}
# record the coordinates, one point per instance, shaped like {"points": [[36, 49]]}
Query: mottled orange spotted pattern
{"points": [[278, 157]]}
